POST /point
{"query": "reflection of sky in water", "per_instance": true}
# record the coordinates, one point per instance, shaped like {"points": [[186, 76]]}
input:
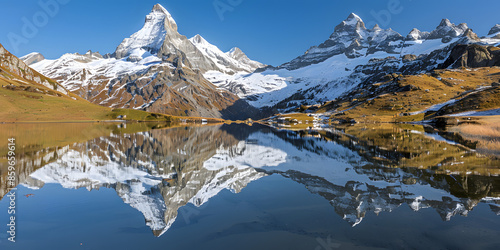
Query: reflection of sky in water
{"points": [[202, 187]]}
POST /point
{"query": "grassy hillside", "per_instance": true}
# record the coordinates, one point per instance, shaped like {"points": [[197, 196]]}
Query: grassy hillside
{"points": [[408, 98], [25, 103]]}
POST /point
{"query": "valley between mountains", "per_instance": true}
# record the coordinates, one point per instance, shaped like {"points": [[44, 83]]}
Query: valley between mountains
{"points": [[359, 74]]}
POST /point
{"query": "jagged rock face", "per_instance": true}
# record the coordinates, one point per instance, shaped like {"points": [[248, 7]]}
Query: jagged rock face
{"points": [[473, 56], [448, 29], [494, 30], [159, 37], [148, 84], [230, 62], [32, 58], [416, 34], [349, 38]]}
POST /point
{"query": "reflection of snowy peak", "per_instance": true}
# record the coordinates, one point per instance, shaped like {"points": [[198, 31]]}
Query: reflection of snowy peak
{"points": [[246, 154], [160, 171], [353, 186], [148, 173]]}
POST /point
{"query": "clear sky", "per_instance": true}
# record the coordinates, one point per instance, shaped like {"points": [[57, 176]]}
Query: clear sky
{"points": [[270, 31]]}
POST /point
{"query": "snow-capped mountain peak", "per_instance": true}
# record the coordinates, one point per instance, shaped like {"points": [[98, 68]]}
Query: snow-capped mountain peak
{"points": [[448, 29], [230, 62], [158, 8], [152, 35], [198, 39], [32, 58], [494, 30], [416, 34], [235, 52], [376, 27], [352, 24]]}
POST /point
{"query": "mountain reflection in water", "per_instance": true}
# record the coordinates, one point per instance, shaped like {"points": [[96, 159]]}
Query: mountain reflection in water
{"points": [[358, 169]]}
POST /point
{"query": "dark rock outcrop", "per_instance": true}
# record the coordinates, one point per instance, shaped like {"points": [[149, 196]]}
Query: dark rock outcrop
{"points": [[473, 56]]}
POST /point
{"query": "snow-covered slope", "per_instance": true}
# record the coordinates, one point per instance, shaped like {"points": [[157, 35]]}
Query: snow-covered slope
{"points": [[151, 37], [230, 62], [150, 173]]}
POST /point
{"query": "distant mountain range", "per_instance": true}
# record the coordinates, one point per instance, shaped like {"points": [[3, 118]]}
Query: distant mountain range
{"points": [[159, 70]]}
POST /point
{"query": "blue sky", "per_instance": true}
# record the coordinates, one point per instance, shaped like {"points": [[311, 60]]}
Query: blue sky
{"points": [[270, 31]]}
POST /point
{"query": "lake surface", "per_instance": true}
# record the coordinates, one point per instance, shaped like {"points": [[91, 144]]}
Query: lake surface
{"points": [[139, 186]]}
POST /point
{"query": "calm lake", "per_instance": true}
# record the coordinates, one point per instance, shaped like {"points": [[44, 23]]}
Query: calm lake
{"points": [[139, 186]]}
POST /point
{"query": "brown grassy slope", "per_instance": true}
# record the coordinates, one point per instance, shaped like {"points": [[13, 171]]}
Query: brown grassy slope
{"points": [[35, 104], [426, 91]]}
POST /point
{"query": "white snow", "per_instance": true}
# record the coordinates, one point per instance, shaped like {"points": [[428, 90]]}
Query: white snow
{"points": [[224, 61], [151, 36], [478, 113]]}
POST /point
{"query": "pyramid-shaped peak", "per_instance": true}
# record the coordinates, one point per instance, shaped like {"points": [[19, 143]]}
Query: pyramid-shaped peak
{"points": [[235, 50], [353, 19], [494, 30], [445, 22], [448, 29], [198, 39], [352, 24], [236, 53], [159, 8], [159, 13], [150, 38]]}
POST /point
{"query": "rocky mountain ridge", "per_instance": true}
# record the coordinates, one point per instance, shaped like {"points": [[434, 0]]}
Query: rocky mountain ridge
{"points": [[204, 81], [156, 69], [351, 58]]}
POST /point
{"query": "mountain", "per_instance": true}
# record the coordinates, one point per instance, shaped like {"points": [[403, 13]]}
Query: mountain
{"points": [[159, 70], [156, 69], [495, 30], [352, 57], [230, 62], [32, 58], [28, 96]]}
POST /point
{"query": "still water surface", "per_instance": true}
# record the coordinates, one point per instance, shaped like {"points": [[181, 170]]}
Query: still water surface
{"points": [[138, 186]]}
